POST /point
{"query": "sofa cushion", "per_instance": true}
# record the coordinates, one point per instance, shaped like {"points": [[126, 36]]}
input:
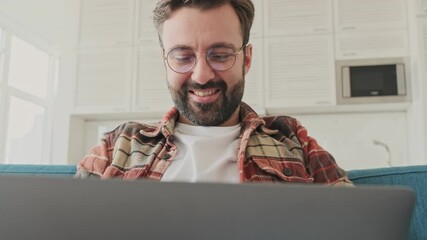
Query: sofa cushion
{"points": [[414, 177]]}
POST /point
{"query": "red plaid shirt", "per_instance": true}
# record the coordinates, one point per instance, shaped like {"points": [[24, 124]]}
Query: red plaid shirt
{"points": [[272, 149]]}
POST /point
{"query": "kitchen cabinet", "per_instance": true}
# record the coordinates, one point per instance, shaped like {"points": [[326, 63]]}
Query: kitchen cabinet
{"points": [[295, 46], [298, 53], [299, 71], [370, 29], [123, 71], [103, 80], [106, 23], [295, 17]]}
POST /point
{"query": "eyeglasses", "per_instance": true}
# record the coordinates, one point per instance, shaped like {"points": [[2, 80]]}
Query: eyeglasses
{"points": [[183, 59]]}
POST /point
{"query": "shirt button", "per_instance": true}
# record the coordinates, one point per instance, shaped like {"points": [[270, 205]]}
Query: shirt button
{"points": [[166, 156], [287, 172]]}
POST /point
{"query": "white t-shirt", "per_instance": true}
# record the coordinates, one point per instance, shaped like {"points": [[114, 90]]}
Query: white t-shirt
{"points": [[205, 154]]}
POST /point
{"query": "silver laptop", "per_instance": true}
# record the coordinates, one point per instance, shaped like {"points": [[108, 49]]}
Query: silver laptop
{"points": [[51, 208]]}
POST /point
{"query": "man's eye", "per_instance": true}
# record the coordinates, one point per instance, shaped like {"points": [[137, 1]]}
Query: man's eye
{"points": [[220, 57], [182, 59]]}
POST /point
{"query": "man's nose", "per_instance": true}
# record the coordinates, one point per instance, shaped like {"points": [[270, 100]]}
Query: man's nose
{"points": [[202, 72]]}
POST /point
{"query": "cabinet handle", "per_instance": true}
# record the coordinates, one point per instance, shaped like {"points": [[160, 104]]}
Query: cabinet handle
{"points": [[119, 109], [123, 43], [348, 28], [349, 54], [320, 30], [323, 102]]}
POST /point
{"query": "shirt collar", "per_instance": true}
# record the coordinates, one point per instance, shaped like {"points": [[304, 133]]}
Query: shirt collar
{"points": [[249, 120], [165, 126]]}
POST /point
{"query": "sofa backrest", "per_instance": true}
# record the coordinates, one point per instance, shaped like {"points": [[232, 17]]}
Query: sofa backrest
{"points": [[29, 169], [414, 177]]}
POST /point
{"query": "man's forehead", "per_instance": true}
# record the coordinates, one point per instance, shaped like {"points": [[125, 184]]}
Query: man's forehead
{"points": [[190, 26]]}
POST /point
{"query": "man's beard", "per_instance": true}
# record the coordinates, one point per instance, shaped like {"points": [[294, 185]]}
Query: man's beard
{"points": [[213, 113]]}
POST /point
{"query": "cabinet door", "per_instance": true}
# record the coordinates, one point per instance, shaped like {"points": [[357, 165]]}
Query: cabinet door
{"points": [[371, 29], [103, 80], [290, 17], [421, 6], [146, 32], [106, 23], [422, 38], [257, 24], [151, 93], [372, 44], [357, 15], [254, 91], [299, 71]]}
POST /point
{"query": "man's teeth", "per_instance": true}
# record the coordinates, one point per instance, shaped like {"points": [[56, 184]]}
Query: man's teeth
{"points": [[203, 94]]}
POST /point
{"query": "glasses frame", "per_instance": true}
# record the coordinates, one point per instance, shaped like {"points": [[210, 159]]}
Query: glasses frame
{"points": [[235, 53]]}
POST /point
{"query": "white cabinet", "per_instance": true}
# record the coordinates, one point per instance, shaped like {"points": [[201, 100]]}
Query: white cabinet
{"points": [[290, 17], [257, 30], [103, 80], [145, 31], [421, 6], [120, 66], [372, 44], [299, 71], [106, 23], [423, 40], [298, 53], [254, 84], [104, 56], [370, 29], [357, 15], [296, 44], [151, 93]]}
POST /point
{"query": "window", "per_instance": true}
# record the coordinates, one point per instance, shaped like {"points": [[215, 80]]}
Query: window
{"points": [[27, 77], [28, 68], [24, 143]]}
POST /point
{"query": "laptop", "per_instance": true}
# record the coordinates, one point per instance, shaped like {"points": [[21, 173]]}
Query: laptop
{"points": [[52, 208]]}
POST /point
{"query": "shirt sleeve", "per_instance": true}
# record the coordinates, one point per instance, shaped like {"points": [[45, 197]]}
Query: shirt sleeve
{"points": [[320, 163], [93, 165]]}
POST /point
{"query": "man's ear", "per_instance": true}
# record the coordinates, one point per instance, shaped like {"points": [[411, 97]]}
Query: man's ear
{"points": [[162, 55], [248, 58]]}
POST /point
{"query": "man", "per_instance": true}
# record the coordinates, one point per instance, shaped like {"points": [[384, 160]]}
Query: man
{"points": [[210, 135]]}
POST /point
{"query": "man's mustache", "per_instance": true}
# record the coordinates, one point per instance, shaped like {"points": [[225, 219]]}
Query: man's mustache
{"points": [[211, 84]]}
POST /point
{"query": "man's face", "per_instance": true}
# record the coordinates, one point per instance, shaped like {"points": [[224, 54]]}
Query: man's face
{"points": [[205, 96]]}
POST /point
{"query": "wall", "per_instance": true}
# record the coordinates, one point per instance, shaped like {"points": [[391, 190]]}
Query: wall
{"points": [[417, 113], [57, 22]]}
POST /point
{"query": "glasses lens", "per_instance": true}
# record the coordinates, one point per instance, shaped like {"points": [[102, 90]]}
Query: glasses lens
{"points": [[221, 58], [181, 60]]}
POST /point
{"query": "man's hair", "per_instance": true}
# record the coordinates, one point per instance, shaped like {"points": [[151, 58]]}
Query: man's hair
{"points": [[244, 9]]}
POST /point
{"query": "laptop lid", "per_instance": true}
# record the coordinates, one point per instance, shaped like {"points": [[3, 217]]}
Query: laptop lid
{"points": [[66, 208]]}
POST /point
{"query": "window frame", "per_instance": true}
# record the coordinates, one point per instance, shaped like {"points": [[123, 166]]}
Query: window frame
{"points": [[6, 92]]}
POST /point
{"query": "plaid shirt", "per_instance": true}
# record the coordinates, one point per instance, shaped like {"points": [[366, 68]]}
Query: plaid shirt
{"points": [[272, 149]]}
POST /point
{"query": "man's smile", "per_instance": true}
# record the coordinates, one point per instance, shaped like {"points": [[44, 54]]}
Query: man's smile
{"points": [[205, 95]]}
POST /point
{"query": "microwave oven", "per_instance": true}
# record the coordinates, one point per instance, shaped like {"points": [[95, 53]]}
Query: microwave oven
{"points": [[372, 81]]}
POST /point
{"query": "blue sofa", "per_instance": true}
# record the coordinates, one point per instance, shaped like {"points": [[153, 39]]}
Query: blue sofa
{"points": [[414, 177]]}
